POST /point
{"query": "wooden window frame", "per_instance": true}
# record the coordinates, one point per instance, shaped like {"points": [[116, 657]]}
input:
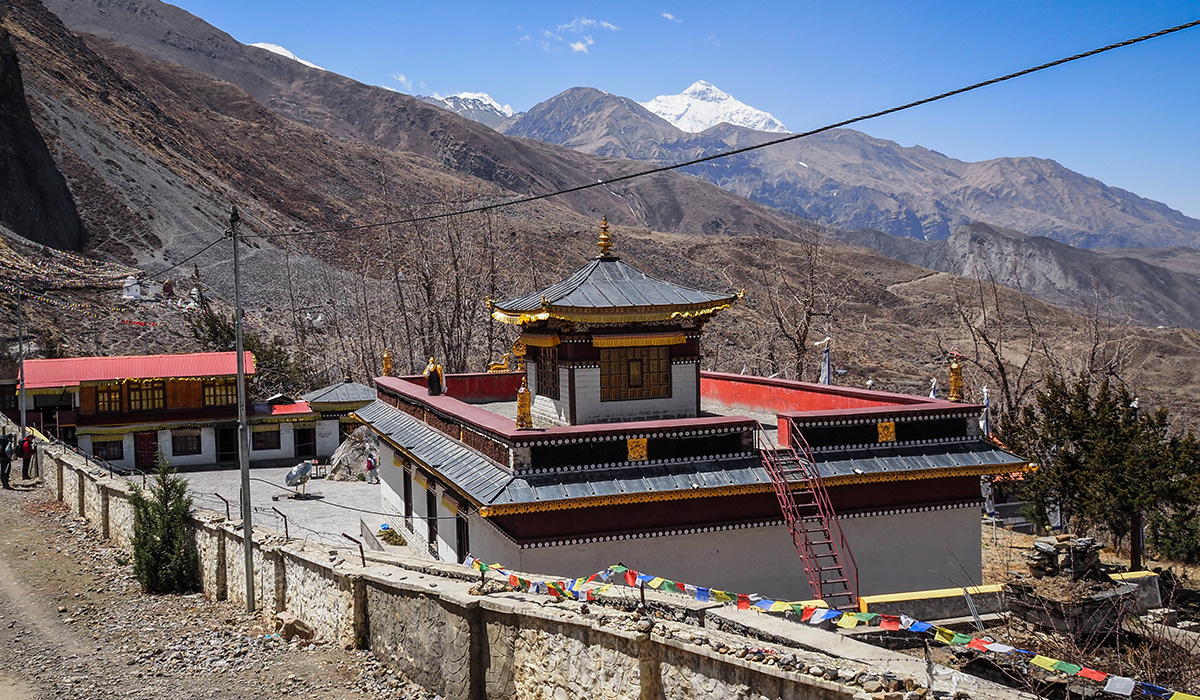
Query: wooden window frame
{"points": [[260, 443], [186, 441], [149, 395], [109, 450], [636, 373], [547, 373], [108, 398], [220, 392]]}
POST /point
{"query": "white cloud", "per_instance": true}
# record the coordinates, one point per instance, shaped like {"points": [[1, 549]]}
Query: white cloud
{"points": [[404, 81], [582, 46], [582, 24], [673, 18], [712, 40]]}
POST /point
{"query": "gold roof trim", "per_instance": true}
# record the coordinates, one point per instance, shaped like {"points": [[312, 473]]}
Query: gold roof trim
{"points": [[629, 314], [541, 340], [637, 340]]}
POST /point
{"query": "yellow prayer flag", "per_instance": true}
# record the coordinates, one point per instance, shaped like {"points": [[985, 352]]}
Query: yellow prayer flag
{"points": [[780, 607], [1044, 662], [719, 596], [655, 582], [943, 635], [603, 589], [847, 621], [1184, 696]]}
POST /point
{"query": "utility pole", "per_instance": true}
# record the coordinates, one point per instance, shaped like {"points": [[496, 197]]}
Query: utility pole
{"points": [[243, 428], [21, 357]]}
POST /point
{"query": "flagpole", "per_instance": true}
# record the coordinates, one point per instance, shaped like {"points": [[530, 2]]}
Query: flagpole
{"points": [[243, 428]]}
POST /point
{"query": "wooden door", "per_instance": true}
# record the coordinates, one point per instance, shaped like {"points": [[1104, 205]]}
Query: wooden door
{"points": [[145, 450]]}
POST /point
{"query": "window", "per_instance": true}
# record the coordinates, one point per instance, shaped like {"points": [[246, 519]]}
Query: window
{"points": [[635, 373], [8, 397], [185, 442], [109, 449], [463, 538], [431, 514], [266, 440], [408, 499], [220, 392], [147, 396], [547, 372], [108, 398]]}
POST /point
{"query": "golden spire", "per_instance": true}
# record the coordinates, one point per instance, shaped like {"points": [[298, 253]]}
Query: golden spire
{"points": [[605, 243], [387, 363]]}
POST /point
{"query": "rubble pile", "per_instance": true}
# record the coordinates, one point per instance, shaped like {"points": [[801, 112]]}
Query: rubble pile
{"points": [[1065, 554]]}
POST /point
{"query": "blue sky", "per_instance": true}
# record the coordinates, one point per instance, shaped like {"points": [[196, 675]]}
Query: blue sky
{"points": [[1130, 118]]}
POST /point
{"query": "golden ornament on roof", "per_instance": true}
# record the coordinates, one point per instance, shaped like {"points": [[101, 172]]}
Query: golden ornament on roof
{"points": [[605, 243]]}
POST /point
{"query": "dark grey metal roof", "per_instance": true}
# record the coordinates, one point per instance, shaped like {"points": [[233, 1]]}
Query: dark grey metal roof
{"points": [[877, 460], [489, 484], [342, 392], [606, 282]]}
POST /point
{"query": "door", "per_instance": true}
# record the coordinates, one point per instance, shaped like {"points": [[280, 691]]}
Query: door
{"points": [[227, 449], [306, 442], [145, 451]]}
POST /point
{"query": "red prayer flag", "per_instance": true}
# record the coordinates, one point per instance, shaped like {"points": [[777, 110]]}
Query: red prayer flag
{"points": [[889, 622], [631, 577], [681, 586], [808, 613], [743, 601], [514, 581], [978, 644], [1092, 674]]}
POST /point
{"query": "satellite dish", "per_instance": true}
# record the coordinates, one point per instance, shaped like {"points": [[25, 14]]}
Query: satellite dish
{"points": [[298, 474]]}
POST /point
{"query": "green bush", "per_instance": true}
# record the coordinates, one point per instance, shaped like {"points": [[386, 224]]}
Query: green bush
{"points": [[165, 559]]}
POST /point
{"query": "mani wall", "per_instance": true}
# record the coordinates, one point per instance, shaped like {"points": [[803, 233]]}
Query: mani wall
{"points": [[421, 617]]}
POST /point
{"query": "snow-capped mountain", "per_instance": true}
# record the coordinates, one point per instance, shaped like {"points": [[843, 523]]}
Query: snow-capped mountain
{"points": [[703, 105], [277, 49], [476, 106]]}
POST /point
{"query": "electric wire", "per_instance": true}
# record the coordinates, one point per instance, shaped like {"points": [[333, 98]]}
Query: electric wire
{"points": [[188, 259], [745, 149]]}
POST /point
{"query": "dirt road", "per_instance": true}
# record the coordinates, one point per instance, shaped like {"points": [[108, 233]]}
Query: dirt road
{"points": [[74, 624]]}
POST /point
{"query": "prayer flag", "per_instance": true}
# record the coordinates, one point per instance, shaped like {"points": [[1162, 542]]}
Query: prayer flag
{"points": [[866, 618], [631, 577], [655, 582], [688, 588], [1044, 662], [906, 622], [943, 635], [720, 596], [889, 622], [918, 626], [978, 645], [960, 639], [848, 621], [1067, 668], [1156, 690], [514, 581], [999, 648], [779, 607], [681, 587], [1184, 696], [1092, 674], [702, 594], [591, 595], [764, 604], [604, 589], [618, 569], [743, 601], [820, 615]]}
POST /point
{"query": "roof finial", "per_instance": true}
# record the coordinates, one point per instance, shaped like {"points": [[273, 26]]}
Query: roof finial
{"points": [[605, 243]]}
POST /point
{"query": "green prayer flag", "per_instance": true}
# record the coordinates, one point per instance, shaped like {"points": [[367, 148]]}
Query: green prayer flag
{"points": [[961, 638], [1065, 667]]}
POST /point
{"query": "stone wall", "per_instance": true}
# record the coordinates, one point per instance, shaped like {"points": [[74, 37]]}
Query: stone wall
{"points": [[420, 616]]}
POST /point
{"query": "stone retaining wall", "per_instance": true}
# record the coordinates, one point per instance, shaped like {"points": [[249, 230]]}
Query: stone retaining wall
{"points": [[419, 617]]}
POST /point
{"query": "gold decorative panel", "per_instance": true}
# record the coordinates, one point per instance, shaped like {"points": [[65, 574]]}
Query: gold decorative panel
{"points": [[887, 431], [637, 449]]}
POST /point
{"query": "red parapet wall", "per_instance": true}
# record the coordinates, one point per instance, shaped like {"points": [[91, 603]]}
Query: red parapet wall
{"points": [[478, 387], [780, 395]]}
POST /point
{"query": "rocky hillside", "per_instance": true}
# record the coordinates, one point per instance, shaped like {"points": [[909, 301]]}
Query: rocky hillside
{"points": [[850, 180], [37, 203]]}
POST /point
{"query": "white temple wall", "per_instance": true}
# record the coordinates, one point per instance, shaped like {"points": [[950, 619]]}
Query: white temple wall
{"points": [[590, 409], [895, 552]]}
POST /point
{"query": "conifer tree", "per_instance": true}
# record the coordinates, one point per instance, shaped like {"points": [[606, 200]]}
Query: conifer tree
{"points": [[165, 558]]}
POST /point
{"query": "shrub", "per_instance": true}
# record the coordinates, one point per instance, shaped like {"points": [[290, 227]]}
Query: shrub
{"points": [[165, 559], [1176, 535]]}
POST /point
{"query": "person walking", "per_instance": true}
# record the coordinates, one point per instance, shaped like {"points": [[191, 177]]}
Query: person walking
{"points": [[372, 471], [6, 453], [27, 451]]}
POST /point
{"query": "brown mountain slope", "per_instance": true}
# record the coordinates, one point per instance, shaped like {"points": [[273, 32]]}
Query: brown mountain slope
{"points": [[183, 147]]}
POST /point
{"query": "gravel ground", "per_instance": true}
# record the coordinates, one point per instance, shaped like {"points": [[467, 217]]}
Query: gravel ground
{"points": [[74, 624]]}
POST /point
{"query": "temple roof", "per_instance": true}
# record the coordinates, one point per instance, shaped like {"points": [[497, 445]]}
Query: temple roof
{"points": [[607, 290], [344, 391]]}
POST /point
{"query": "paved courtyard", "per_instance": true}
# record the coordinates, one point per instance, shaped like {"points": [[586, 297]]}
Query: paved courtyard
{"points": [[331, 507]]}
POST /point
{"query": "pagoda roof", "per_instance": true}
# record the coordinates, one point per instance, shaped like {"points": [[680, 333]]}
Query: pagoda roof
{"points": [[344, 391], [607, 290]]}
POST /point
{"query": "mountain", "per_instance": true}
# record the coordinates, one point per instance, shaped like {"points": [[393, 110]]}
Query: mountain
{"points": [[850, 180], [279, 50], [476, 106], [37, 203], [703, 106]]}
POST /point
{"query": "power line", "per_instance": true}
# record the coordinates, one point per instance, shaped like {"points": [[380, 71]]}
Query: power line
{"points": [[185, 261], [745, 149]]}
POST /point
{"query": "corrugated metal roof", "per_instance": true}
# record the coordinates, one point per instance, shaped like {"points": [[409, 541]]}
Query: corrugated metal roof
{"points": [[284, 409], [70, 371], [342, 392], [913, 458], [606, 282]]}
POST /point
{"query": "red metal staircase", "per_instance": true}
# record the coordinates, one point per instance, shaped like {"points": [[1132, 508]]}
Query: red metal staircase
{"points": [[826, 557]]}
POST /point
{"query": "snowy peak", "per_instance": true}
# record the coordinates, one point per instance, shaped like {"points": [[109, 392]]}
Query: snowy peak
{"points": [[704, 105], [476, 106], [277, 49]]}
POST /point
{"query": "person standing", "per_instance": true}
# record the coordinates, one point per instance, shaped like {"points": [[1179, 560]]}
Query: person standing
{"points": [[27, 450], [372, 471], [6, 453], [435, 378]]}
